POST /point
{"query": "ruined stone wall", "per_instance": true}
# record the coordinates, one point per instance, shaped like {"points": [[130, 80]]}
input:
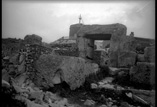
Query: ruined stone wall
{"points": [[121, 47], [33, 39]]}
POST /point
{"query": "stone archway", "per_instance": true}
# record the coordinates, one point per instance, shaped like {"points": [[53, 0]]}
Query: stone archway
{"points": [[88, 33], [90, 38]]}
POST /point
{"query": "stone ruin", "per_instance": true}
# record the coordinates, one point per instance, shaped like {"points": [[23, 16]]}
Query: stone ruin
{"points": [[47, 69], [123, 51], [116, 33]]}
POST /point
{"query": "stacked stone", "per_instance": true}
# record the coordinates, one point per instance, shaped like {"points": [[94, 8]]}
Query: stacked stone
{"points": [[33, 51], [32, 54], [29, 59]]}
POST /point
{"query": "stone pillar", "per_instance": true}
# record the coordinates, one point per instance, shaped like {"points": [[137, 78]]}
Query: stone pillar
{"points": [[33, 50], [81, 46], [90, 48]]}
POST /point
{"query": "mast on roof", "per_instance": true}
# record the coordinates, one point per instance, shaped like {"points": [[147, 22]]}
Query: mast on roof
{"points": [[80, 18]]}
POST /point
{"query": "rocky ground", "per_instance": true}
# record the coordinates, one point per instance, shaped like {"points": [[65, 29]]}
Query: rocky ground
{"points": [[32, 79], [100, 91]]}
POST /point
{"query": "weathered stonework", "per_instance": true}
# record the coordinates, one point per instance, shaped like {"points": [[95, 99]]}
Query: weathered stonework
{"points": [[149, 54], [144, 73], [89, 33], [33, 39], [72, 70], [126, 58], [116, 33]]}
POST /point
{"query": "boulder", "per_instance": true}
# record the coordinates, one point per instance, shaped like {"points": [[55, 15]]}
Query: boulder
{"points": [[30, 103], [21, 58], [21, 79], [19, 89], [149, 54], [125, 104], [94, 86], [143, 73], [89, 102], [47, 66], [14, 59], [56, 79], [113, 71], [21, 68], [51, 96], [5, 84], [51, 69], [6, 58], [62, 103], [126, 58], [107, 80], [144, 96], [75, 70], [5, 75], [37, 95], [11, 69], [103, 105]]}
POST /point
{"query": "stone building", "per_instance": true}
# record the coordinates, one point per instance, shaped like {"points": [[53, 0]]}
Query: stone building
{"points": [[122, 47]]}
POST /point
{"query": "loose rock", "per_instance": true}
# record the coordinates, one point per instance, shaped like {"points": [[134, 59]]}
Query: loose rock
{"points": [[89, 102]]}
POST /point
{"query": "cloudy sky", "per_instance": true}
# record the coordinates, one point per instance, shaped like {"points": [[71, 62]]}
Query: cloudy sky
{"points": [[51, 20]]}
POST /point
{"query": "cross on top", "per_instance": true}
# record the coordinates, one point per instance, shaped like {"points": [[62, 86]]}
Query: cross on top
{"points": [[80, 19]]}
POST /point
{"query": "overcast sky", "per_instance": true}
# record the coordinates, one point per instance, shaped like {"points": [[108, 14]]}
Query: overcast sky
{"points": [[51, 20]]}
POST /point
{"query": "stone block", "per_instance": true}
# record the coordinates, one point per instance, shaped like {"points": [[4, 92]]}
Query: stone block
{"points": [[149, 54], [144, 73], [141, 58], [126, 58]]}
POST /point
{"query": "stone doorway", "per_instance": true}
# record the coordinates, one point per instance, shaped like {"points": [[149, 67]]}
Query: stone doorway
{"points": [[89, 43]]}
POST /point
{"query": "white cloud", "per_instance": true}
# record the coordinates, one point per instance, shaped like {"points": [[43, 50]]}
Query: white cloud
{"points": [[52, 20]]}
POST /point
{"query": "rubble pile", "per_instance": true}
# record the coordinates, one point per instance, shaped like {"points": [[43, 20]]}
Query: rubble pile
{"points": [[30, 96], [119, 94]]}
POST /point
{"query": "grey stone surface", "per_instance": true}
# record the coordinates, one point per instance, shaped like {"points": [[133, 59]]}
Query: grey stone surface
{"points": [[126, 58], [149, 54], [143, 72], [52, 69], [33, 39], [141, 58]]}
